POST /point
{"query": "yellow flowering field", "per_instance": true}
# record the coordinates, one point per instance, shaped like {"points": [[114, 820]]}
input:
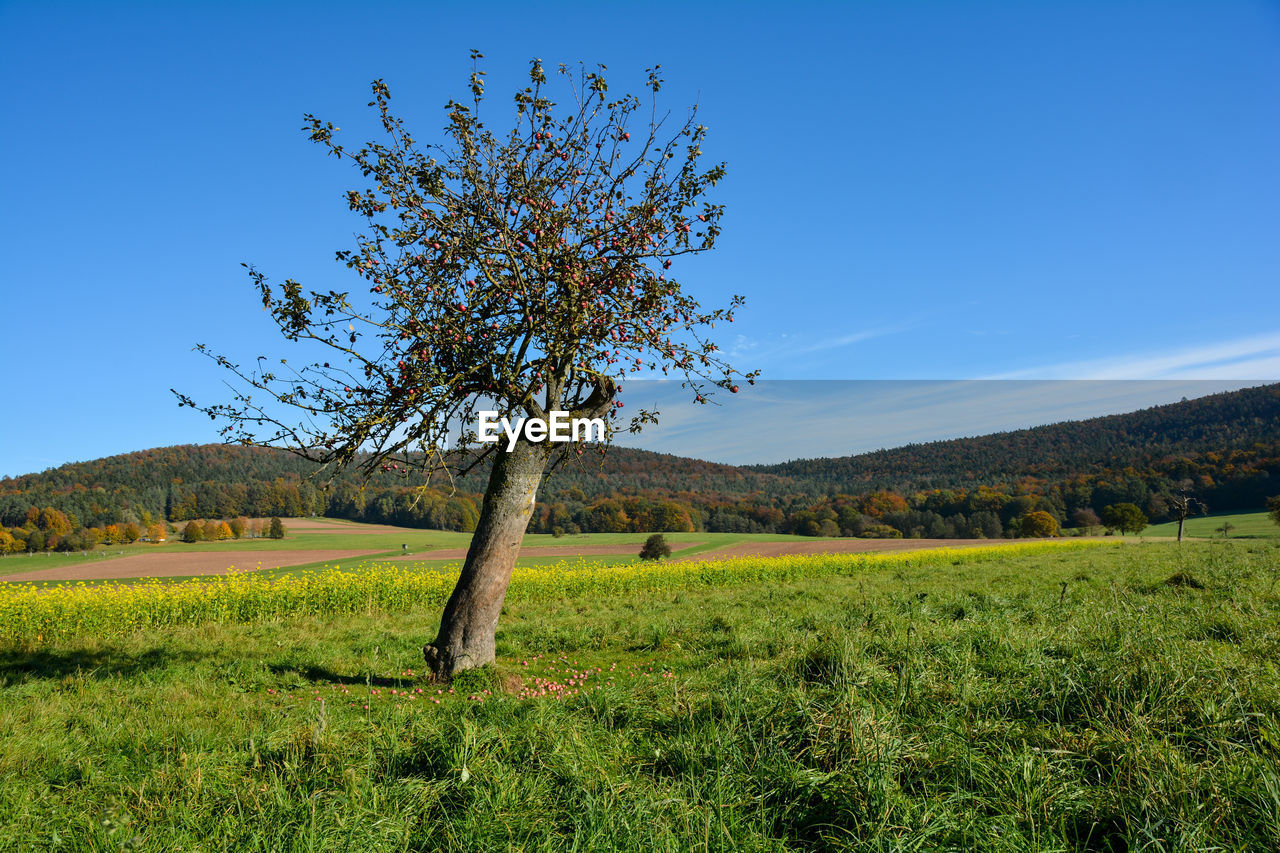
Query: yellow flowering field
{"points": [[31, 615]]}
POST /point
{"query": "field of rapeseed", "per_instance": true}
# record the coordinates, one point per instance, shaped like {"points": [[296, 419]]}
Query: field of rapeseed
{"points": [[39, 614], [1043, 698]]}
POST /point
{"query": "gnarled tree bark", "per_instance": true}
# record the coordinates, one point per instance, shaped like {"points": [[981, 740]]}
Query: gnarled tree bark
{"points": [[466, 639], [470, 621]]}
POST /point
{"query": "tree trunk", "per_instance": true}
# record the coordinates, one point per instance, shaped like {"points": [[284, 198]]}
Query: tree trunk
{"points": [[1181, 520], [470, 621]]}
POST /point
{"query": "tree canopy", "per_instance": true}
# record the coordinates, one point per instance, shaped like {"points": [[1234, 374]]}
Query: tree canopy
{"points": [[1125, 517], [533, 268]]}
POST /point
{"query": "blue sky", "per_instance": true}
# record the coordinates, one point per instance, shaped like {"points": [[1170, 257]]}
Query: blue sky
{"points": [[835, 417], [915, 190]]}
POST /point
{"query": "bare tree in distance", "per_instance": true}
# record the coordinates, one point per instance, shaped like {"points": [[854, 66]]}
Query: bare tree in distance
{"points": [[1183, 504], [531, 270]]}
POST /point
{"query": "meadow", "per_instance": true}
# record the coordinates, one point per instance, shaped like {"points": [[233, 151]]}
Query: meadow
{"points": [[1058, 696], [1244, 525]]}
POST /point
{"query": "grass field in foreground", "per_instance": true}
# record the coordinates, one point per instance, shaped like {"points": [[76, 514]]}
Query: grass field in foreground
{"points": [[1096, 698], [1244, 525]]}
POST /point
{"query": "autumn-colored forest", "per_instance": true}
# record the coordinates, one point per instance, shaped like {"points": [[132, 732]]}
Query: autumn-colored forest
{"points": [[1224, 449]]}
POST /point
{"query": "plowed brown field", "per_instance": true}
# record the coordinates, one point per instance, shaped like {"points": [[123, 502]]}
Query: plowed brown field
{"points": [[183, 565]]}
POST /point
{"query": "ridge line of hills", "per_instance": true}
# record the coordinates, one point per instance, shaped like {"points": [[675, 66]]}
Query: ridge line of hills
{"points": [[1225, 447]]}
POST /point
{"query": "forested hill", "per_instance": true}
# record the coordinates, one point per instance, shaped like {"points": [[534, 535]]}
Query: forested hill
{"points": [[622, 469], [1227, 446], [161, 466], [1238, 420], [215, 480]]}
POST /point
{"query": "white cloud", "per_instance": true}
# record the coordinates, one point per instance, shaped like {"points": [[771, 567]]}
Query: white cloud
{"points": [[1256, 357]]}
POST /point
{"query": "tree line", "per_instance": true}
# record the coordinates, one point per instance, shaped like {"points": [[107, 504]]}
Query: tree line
{"points": [[49, 529], [216, 530]]}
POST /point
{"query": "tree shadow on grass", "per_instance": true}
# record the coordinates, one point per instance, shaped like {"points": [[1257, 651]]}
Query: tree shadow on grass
{"points": [[23, 666], [19, 666], [319, 674]]}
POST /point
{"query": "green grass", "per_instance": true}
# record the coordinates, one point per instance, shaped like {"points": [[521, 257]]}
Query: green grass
{"points": [[1245, 525], [1109, 699], [12, 564]]}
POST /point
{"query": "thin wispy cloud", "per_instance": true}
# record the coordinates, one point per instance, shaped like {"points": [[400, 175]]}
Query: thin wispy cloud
{"points": [[777, 355], [784, 351], [843, 340], [1256, 357], [777, 420]]}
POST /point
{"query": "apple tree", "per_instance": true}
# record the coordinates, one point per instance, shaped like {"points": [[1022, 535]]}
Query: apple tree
{"points": [[527, 272]]}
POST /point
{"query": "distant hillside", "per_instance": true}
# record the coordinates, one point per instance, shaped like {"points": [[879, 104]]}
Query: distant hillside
{"points": [[1226, 445], [157, 481], [1244, 420], [215, 480], [158, 467]]}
